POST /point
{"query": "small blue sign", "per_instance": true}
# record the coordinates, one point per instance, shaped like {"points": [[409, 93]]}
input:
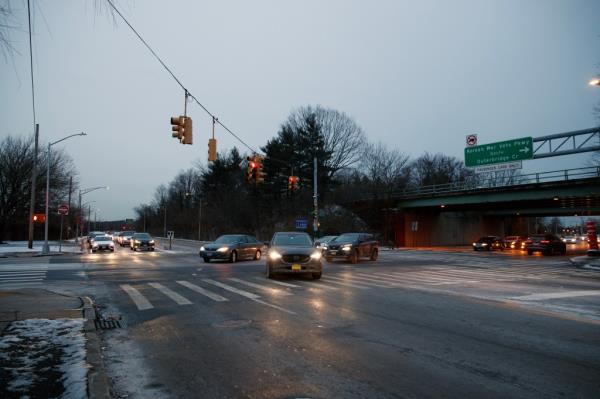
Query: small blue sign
{"points": [[301, 224]]}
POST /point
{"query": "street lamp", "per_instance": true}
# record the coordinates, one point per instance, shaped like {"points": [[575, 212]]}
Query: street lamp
{"points": [[46, 247], [595, 82], [83, 192]]}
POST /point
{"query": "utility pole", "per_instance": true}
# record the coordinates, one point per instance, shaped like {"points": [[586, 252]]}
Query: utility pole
{"points": [[33, 184], [315, 200], [69, 218], [199, 218], [165, 223]]}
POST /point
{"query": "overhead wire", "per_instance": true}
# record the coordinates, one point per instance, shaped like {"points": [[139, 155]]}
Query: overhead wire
{"points": [[177, 79]]}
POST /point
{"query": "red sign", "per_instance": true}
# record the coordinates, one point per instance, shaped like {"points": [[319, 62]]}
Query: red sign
{"points": [[471, 140], [63, 209]]}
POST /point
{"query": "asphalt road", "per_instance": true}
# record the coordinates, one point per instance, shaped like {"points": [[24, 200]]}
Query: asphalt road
{"points": [[412, 324]]}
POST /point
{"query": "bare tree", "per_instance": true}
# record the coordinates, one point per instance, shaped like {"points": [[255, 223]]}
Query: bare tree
{"points": [[431, 169], [385, 168]]}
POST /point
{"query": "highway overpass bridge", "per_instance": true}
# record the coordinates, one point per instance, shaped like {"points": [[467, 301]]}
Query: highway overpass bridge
{"points": [[458, 213]]}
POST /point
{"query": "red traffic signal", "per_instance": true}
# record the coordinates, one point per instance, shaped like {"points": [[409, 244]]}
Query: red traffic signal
{"points": [[293, 183], [39, 218]]}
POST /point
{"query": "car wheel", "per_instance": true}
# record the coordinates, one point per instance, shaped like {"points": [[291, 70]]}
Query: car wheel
{"points": [[374, 254], [257, 255], [233, 257], [354, 257], [206, 260], [112, 250], [529, 252], [152, 249], [93, 251], [270, 273], [317, 276]]}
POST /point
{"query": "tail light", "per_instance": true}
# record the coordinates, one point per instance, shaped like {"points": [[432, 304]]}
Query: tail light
{"points": [[544, 242]]}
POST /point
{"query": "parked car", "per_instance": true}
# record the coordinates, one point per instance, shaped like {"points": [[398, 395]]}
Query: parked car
{"points": [[293, 253], [323, 242], [547, 244], [352, 247], [141, 241], [232, 247], [488, 243], [514, 242], [102, 243], [125, 238], [569, 239]]}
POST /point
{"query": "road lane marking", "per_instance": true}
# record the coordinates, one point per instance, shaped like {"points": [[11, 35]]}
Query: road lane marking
{"points": [[200, 290], [333, 280], [274, 306], [557, 295], [40, 278], [41, 272], [280, 283], [366, 279], [180, 300], [232, 289], [140, 300], [271, 290]]}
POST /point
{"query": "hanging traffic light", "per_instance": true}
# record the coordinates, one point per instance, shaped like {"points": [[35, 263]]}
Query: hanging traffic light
{"points": [[182, 129], [293, 183], [251, 170], [177, 127], [260, 175], [187, 130], [212, 150]]}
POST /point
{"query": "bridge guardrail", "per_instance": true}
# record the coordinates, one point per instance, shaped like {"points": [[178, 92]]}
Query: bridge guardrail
{"points": [[505, 181]]}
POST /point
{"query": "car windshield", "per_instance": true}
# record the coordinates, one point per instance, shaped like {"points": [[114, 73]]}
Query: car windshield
{"points": [[143, 236], [512, 238], [230, 239], [346, 237], [102, 238], [293, 239], [486, 239], [128, 233]]}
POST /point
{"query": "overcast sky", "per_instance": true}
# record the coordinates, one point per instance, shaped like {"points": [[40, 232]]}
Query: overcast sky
{"points": [[416, 75]]}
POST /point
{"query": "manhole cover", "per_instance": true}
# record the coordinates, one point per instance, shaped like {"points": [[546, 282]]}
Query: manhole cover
{"points": [[232, 323]]}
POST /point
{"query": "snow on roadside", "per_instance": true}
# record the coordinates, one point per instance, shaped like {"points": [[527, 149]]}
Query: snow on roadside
{"points": [[44, 358], [21, 247]]}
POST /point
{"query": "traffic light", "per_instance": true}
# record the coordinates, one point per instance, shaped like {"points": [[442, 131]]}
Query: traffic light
{"points": [[39, 218], [260, 175], [212, 150], [182, 128], [293, 183], [251, 171], [177, 127], [187, 131]]}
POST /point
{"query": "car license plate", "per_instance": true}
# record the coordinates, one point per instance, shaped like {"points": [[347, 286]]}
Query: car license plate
{"points": [[333, 252], [296, 267]]}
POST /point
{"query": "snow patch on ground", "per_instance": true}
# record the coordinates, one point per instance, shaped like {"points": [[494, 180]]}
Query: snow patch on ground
{"points": [[44, 358], [21, 247]]}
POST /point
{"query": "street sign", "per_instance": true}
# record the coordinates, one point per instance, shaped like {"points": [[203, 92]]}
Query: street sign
{"points": [[500, 152], [170, 234], [301, 224], [499, 167], [63, 209], [128, 221], [471, 140]]}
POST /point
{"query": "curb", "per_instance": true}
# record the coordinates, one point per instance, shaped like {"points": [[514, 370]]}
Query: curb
{"points": [[97, 380]]}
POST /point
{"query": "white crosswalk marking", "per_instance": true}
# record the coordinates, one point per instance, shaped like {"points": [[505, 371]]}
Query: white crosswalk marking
{"points": [[179, 299], [15, 276], [265, 288], [339, 281], [140, 300], [232, 289], [279, 283], [557, 295], [362, 278], [200, 290]]}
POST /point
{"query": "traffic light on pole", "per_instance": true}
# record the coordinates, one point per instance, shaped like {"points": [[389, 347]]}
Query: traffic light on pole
{"points": [[292, 183], [187, 131], [260, 175], [39, 218], [251, 171]]}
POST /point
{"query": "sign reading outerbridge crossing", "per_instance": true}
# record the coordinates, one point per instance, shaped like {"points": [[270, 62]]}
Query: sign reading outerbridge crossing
{"points": [[500, 152]]}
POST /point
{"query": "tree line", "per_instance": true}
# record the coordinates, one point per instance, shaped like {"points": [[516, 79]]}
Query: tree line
{"points": [[203, 202]]}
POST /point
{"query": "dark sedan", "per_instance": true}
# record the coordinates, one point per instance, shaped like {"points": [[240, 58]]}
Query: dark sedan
{"points": [[141, 241], [488, 243], [293, 253], [352, 247], [232, 247], [547, 244]]}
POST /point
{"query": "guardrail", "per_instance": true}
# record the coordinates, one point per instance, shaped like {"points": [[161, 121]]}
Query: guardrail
{"points": [[479, 183]]}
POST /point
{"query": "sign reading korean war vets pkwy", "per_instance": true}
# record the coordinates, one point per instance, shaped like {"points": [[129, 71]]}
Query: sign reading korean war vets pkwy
{"points": [[500, 152]]}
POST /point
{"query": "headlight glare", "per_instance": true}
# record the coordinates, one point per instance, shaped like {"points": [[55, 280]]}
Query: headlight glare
{"points": [[202, 248], [274, 255], [223, 249], [347, 247], [316, 255]]}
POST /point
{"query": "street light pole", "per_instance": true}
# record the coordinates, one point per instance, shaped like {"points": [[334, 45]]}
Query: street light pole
{"points": [[83, 192], [46, 247]]}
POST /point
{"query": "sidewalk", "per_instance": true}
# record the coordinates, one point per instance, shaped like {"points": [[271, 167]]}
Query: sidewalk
{"points": [[586, 262], [49, 346], [20, 248]]}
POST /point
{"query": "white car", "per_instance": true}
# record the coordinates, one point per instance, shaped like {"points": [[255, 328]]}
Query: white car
{"points": [[569, 239], [102, 243]]}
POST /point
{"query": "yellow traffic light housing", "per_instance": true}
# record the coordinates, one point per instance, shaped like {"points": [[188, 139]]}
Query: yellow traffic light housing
{"points": [[260, 175], [212, 150], [187, 131], [177, 127]]}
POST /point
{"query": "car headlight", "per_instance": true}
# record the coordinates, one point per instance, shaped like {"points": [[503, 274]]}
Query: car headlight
{"points": [[151, 242], [316, 255], [484, 244], [274, 255], [223, 249], [202, 248], [347, 247], [136, 242], [94, 245]]}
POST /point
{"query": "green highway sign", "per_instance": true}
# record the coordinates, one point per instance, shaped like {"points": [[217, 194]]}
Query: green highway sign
{"points": [[500, 152]]}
